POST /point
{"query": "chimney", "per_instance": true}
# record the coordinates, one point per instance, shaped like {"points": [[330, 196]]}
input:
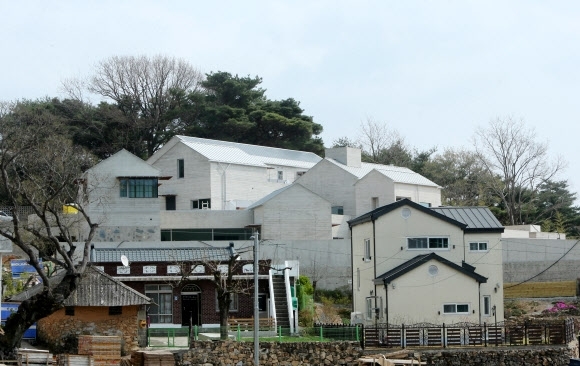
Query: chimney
{"points": [[348, 156]]}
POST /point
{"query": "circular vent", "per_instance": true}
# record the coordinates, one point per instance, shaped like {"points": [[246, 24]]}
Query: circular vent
{"points": [[433, 270], [406, 212]]}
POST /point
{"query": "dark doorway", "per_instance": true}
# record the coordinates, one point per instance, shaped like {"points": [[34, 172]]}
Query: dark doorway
{"points": [[190, 309], [170, 203]]}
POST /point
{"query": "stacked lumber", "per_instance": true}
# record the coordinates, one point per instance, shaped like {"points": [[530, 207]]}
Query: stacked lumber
{"points": [[152, 358], [106, 350], [33, 357], [75, 360]]}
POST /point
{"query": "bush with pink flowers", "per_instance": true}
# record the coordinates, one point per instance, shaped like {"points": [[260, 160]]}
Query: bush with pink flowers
{"points": [[561, 308]]}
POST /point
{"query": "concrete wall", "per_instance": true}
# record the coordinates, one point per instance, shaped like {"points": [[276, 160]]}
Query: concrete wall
{"points": [[372, 185], [333, 184], [295, 214], [419, 194], [121, 218], [205, 219], [544, 259]]}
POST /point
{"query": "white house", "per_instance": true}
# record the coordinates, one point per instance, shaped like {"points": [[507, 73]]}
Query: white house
{"points": [[221, 175], [412, 263]]}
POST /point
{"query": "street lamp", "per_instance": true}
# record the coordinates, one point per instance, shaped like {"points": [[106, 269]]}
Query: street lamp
{"points": [[256, 302]]}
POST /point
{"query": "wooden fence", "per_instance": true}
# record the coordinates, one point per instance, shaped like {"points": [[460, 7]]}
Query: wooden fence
{"points": [[469, 334]]}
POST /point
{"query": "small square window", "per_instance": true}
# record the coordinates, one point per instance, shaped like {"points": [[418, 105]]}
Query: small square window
{"points": [[367, 256], [337, 210], [115, 310], [478, 247], [280, 175], [180, 168]]}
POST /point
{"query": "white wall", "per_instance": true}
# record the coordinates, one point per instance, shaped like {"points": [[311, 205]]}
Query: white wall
{"points": [[333, 184], [295, 214], [372, 185], [419, 194], [205, 219]]}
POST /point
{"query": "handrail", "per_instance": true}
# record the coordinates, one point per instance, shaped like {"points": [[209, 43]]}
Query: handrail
{"points": [[289, 300], [272, 299]]}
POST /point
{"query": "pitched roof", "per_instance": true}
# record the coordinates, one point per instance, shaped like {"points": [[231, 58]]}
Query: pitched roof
{"points": [[268, 197], [254, 155], [96, 288], [113, 255], [469, 219], [415, 262], [396, 173]]}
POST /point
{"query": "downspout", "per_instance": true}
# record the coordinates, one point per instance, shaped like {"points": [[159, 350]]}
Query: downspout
{"points": [[224, 184], [387, 304], [353, 306], [374, 254], [479, 299]]}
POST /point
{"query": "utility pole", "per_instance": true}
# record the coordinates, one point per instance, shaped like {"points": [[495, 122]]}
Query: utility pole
{"points": [[256, 302]]}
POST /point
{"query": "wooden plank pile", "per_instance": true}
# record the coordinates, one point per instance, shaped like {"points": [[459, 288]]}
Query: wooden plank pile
{"points": [[152, 358], [106, 350], [33, 357], [75, 360]]}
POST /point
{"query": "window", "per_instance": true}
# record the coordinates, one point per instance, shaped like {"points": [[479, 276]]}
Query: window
{"points": [[427, 243], [374, 202], [233, 303], [161, 309], [201, 204], [280, 175], [138, 187], [401, 198], [456, 309], [206, 234], [299, 174], [180, 168], [426, 204], [69, 310], [478, 247], [374, 306], [337, 210], [115, 310], [487, 305], [367, 256], [358, 279]]}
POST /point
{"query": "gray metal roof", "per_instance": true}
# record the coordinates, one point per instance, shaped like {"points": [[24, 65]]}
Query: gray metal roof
{"points": [[113, 255], [415, 262], [96, 288], [476, 218], [470, 219], [254, 155], [396, 173]]}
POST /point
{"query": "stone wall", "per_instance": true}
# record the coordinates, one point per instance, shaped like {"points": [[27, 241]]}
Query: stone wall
{"points": [[272, 353], [60, 331], [347, 353], [536, 356]]}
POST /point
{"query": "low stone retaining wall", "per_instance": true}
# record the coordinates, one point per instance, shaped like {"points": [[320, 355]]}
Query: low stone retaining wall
{"points": [[230, 353], [271, 353], [539, 356]]}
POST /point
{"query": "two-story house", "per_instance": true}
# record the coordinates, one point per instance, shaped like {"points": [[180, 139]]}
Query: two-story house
{"points": [[412, 263]]}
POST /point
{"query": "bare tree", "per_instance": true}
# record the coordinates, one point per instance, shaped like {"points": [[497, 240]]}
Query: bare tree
{"points": [[41, 169], [145, 89], [508, 149], [223, 273], [376, 138]]}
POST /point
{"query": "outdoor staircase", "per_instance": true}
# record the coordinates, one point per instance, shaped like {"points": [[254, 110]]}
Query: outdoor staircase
{"points": [[281, 303]]}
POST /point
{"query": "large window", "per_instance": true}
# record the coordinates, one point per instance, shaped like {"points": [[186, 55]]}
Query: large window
{"points": [[233, 303], [367, 256], [206, 234], [456, 309], [337, 210], [138, 187], [478, 247], [161, 310], [427, 243]]}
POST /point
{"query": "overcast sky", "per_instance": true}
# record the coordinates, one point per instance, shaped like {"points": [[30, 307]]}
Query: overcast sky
{"points": [[432, 70]]}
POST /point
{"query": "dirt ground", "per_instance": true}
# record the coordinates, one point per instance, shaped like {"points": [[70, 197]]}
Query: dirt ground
{"points": [[533, 306]]}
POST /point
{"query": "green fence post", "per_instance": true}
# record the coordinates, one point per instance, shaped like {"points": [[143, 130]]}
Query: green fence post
{"points": [[239, 335], [357, 334], [195, 332], [280, 333], [321, 333]]}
